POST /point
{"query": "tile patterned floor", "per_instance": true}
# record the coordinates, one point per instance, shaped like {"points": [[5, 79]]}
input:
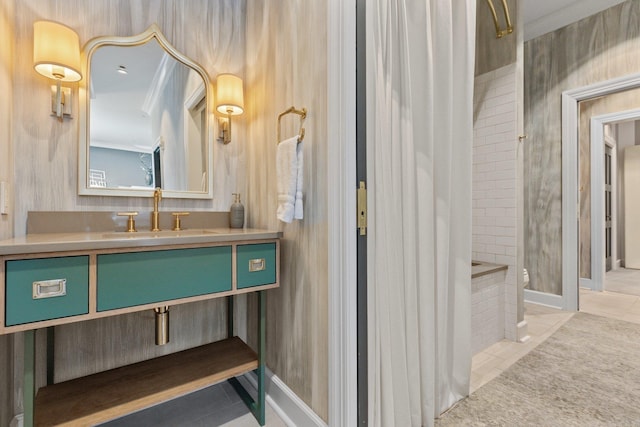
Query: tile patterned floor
{"points": [[218, 405], [611, 304], [620, 301], [623, 280]]}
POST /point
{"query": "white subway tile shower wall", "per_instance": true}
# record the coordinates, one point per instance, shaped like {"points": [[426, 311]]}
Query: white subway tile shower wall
{"points": [[487, 310], [494, 236]]}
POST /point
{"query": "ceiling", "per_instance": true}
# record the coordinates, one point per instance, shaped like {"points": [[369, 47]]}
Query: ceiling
{"points": [[543, 16], [118, 119]]}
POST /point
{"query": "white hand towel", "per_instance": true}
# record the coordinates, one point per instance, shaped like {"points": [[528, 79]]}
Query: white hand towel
{"points": [[287, 169], [298, 208]]}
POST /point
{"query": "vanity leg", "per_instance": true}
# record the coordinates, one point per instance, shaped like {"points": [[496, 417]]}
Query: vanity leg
{"points": [[260, 409], [51, 342], [29, 386], [257, 406], [230, 316]]}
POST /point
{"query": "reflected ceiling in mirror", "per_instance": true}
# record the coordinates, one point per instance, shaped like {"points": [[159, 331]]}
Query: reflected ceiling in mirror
{"points": [[144, 120]]}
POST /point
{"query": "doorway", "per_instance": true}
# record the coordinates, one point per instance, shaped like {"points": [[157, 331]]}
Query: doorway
{"points": [[570, 186], [608, 143], [624, 275], [608, 208]]}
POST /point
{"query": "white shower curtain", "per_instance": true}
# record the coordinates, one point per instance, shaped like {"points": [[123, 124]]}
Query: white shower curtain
{"points": [[420, 66]]}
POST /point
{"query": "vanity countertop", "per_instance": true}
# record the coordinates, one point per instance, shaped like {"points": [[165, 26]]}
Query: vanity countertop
{"points": [[73, 241]]}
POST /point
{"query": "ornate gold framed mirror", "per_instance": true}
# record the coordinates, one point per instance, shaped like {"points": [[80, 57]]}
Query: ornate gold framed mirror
{"points": [[144, 120]]}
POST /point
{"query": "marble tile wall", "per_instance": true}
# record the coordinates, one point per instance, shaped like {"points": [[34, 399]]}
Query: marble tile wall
{"points": [[594, 49], [46, 151], [622, 101], [495, 184], [6, 168], [287, 66]]}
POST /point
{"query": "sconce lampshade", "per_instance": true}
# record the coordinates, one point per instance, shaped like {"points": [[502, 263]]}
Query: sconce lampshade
{"points": [[229, 95], [56, 51]]}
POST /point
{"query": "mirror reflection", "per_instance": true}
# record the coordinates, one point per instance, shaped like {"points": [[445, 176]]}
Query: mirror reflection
{"points": [[147, 121]]}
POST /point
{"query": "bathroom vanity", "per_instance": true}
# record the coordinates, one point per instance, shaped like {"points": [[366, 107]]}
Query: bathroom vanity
{"points": [[51, 279]]}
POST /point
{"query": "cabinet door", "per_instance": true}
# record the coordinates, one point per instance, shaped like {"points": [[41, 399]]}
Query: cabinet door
{"points": [[136, 278], [256, 264], [46, 288]]}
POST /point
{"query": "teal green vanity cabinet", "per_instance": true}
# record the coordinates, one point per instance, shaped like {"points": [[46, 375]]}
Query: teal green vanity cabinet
{"points": [[256, 264], [46, 288], [136, 278], [55, 280]]}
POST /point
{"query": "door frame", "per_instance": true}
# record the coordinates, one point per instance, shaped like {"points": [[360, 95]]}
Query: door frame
{"points": [[341, 212], [570, 194], [598, 142], [361, 176]]}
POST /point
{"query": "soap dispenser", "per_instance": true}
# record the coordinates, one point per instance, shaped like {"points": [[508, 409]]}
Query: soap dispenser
{"points": [[236, 213]]}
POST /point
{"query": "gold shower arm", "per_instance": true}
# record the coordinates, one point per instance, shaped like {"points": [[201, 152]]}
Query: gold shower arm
{"points": [[500, 32]]}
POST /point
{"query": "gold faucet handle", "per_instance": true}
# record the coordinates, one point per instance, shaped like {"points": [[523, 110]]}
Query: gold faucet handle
{"points": [[176, 219], [131, 222]]}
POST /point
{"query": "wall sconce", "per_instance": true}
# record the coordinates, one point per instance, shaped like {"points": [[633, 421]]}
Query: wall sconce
{"points": [[229, 101], [56, 54]]}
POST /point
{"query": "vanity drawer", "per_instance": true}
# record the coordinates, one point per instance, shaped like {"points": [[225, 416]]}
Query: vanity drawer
{"points": [[46, 288], [136, 278], [256, 264]]}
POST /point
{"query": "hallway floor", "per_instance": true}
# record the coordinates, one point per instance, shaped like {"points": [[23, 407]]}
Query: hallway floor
{"points": [[543, 321], [623, 281]]}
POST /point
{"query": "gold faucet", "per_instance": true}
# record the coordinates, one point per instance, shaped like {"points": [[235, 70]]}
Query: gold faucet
{"points": [[155, 215]]}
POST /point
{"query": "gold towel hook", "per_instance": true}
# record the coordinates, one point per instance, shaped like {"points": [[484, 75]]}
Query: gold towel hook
{"points": [[499, 32], [292, 110]]}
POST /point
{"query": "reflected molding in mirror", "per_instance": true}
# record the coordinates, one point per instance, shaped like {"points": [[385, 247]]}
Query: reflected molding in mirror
{"points": [[156, 124]]}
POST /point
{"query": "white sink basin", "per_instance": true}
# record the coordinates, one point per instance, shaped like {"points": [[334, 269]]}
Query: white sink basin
{"points": [[157, 234]]}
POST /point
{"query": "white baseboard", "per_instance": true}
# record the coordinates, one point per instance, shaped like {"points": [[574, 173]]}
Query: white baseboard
{"points": [[586, 283], [289, 407], [17, 421], [543, 298], [523, 331]]}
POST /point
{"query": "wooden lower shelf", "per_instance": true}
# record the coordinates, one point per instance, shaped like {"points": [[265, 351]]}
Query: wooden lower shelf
{"points": [[108, 395]]}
